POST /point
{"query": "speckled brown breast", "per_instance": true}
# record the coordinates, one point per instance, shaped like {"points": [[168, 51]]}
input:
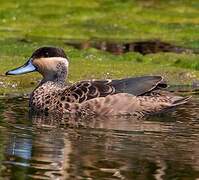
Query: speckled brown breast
{"points": [[46, 98]]}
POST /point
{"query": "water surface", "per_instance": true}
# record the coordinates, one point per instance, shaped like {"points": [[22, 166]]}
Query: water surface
{"points": [[160, 147]]}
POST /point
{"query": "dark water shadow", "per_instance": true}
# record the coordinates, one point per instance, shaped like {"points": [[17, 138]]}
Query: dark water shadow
{"points": [[113, 46], [143, 47]]}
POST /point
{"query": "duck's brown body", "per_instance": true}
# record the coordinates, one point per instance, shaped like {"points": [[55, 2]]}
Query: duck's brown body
{"points": [[105, 98], [133, 96]]}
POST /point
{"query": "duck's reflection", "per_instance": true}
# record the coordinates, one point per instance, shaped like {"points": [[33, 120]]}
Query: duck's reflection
{"points": [[19, 146], [50, 154], [44, 154]]}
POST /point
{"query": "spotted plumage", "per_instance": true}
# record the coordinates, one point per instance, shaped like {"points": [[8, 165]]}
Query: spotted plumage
{"points": [[137, 96]]}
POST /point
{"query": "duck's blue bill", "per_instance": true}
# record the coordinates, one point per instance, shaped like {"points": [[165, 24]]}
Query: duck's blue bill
{"points": [[26, 68]]}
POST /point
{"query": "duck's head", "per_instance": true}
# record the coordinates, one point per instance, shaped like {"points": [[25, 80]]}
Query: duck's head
{"points": [[51, 62]]}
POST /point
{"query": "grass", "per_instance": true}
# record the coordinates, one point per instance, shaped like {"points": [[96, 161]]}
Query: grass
{"points": [[27, 26]]}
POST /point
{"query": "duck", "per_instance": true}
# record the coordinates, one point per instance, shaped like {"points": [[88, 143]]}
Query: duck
{"points": [[136, 96]]}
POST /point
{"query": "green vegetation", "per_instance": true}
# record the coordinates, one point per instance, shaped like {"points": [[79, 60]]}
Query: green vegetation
{"points": [[25, 26]]}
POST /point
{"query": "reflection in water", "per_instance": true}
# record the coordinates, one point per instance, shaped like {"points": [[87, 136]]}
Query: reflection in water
{"points": [[44, 154], [162, 147], [20, 147], [50, 155]]}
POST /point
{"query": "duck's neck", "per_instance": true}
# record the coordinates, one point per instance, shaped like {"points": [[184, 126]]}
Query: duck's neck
{"points": [[59, 76]]}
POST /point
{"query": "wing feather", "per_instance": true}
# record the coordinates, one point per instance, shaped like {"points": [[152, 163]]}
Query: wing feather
{"points": [[86, 90]]}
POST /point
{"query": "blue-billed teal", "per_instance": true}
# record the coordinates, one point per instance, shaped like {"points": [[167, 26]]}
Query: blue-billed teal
{"points": [[137, 96]]}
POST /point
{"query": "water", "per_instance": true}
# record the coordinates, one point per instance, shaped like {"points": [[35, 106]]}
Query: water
{"points": [[161, 147]]}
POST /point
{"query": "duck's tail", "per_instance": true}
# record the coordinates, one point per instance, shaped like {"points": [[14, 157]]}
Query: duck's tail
{"points": [[178, 100]]}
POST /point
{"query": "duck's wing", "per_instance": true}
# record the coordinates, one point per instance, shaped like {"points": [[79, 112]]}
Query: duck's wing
{"points": [[139, 85], [86, 90]]}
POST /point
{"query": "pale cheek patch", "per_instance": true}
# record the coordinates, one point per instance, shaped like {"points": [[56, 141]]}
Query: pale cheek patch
{"points": [[49, 64]]}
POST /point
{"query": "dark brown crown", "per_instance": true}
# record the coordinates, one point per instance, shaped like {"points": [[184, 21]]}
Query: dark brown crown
{"points": [[45, 52]]}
